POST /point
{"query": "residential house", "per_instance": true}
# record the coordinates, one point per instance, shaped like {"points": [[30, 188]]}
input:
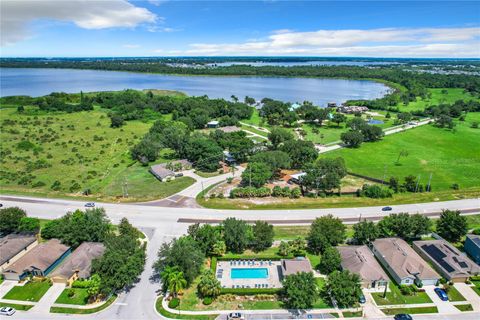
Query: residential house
{"points": [[452, 264], [472, 247], [39, 261], [294, 266], [78, 264], [162, 173], [403, 263], [297, 177], [13, 247], [360, 260], [213, 124], [352, 109]]}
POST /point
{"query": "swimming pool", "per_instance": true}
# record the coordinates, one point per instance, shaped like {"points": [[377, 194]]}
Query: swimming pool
{"points": [[249, 273], [374, 121]]}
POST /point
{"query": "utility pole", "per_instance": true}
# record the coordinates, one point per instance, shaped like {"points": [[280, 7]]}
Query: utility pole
{"points": [[429, 180], [250, 176], [384, 174], [418, 182], [125, 190]]}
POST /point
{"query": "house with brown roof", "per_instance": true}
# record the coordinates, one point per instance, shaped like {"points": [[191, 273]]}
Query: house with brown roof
{"points": [[78, 264], [13, 247], [403, 263], [360, 260], [39, 261], [447, 260], [294, 266]]}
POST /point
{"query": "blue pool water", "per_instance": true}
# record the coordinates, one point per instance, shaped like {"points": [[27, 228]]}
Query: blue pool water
{"points": [[249, 273], [374, 121]]}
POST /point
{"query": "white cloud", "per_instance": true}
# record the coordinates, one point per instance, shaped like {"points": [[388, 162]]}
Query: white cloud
{"points": [[391, 42], [17, 14]]}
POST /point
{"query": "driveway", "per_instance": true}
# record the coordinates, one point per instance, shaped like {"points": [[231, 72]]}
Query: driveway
{"points": [[472, 297], [445, 307]]}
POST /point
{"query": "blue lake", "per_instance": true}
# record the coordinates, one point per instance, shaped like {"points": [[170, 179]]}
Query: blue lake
{"points": [[38, 82]]}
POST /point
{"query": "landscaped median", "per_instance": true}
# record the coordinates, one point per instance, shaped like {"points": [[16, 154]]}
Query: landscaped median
{"points": [[416, 310], [20, 307]]}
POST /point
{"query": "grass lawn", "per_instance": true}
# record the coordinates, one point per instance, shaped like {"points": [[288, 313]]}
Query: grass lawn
{"points": [[79, 298], [396, 297], [464, 307], [271, 252], [69, 147], [452, 95], [165, 313], [83, 311], [455, 295], [346, 201], [143, 186], [450, 156], [352, 314], [393, 311], [31, 291], [204, 174], [20, 307], [290, 232], [254, 130]]}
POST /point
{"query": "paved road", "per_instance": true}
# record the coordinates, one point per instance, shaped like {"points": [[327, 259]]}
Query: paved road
{"points": [[156, 217]]}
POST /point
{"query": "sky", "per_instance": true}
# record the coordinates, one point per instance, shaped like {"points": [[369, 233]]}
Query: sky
{"points": [[108, 28]]}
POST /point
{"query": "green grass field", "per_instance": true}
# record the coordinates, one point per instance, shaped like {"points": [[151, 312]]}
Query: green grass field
{"points": [[80, 151], [394, 296], [79, 298], [83, 311], [437, 97], [31, 291], [454, 295], [419, 310], [450, 156], [18, 307], [464, 307]]}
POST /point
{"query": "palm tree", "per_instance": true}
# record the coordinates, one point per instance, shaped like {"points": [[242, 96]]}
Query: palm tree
{"points": [[209, 286], [166, 274], [176, 282]]}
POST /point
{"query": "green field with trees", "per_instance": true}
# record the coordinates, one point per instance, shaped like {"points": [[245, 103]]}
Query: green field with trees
{"points": [[451, 156]]}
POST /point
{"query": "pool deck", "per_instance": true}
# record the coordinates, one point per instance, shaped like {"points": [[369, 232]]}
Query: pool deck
{"points": [[224, 269]]}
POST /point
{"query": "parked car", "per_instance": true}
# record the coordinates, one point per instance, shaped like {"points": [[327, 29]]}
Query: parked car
{"points": [[387, 209], [441, 294], [362, 299], [90, 204], [403, 316], [178, 175], [7, 311], [235, 316]]}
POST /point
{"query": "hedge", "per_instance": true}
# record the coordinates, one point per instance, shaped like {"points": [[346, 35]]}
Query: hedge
{"points": [[172, 304], [253, 257], [249, 291], [213, 264]]}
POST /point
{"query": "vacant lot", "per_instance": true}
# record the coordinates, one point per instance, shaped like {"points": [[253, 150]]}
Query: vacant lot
{"points": [[438, 96], [450, 156], [64, 154]]}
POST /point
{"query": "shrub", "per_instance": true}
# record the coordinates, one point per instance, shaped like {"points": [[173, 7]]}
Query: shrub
{"points": [[229, 180], [455, 186], [81, 284], [406, 290], [250, 192], [249, 291], [207, 301], [70, 293], [227, 297], [172, 304]]}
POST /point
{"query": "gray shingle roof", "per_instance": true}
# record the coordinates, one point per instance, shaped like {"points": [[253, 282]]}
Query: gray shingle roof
{"points": [[360, 260], [80, 261], [13, 244], [403, 260], [293, 266], [447, 258], [41, 257]]}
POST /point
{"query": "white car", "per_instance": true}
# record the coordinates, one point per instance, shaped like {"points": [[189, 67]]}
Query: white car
{"points": [[7, 311], [235, 316]]}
